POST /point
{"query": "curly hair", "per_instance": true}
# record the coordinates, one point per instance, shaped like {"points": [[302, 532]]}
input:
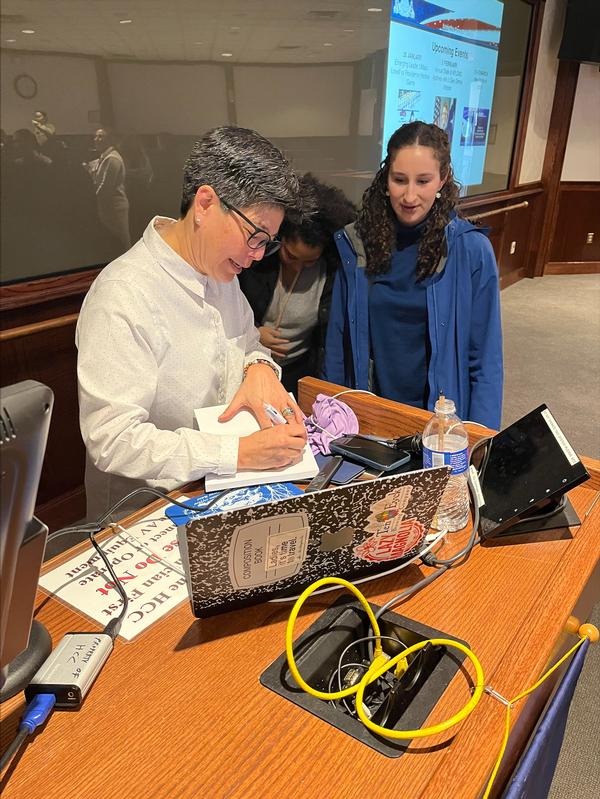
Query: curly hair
{"points": [[376, 222], [331, 211]]}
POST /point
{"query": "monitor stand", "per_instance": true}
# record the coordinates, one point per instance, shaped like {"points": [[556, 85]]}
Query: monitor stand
{"points": [[557, 518], [19, 672]]}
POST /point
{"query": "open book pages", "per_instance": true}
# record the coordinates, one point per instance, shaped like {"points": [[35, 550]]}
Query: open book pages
{"points": [[243, 424]]}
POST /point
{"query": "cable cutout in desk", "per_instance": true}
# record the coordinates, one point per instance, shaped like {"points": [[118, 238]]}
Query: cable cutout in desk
{"points": [[381, 663]]}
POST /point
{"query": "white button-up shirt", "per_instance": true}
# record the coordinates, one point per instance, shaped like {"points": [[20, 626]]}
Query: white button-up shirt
{"points": [[157, 339]]}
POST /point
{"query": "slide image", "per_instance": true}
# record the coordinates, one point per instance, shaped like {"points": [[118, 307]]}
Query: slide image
{"points": [[408, 105], [444, 110], [459, 24], [441, 68], [474, 126]]}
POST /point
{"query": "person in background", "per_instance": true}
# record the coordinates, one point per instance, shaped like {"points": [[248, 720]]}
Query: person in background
{"points": [[27, 152], [415, 310], [108, 174], [290, 291], [139, 175], [165, 329], [43, 129]]}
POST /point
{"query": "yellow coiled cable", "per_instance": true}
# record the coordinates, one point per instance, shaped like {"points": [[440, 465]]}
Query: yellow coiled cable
{"points": [[378, 667]]}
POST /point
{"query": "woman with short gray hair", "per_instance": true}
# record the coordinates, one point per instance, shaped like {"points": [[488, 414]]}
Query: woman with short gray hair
{"points": [[165, 329]]}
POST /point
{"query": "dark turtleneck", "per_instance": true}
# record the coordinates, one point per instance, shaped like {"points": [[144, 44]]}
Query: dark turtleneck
{"points": [[398, 324]]}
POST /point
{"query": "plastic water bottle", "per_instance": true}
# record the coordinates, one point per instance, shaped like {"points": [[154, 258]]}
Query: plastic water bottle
{"points": [[445, 443]]}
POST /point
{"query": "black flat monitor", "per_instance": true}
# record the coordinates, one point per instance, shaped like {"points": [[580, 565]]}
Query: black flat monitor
{"points": [[581, 36], [25, 410], [528, 468]]}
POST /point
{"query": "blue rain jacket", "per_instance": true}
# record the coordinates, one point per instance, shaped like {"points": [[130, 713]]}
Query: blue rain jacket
{"points": [[463, 309]]}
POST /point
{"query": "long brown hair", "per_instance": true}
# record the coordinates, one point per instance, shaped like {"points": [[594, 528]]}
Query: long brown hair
{"points": [[376, 221]]}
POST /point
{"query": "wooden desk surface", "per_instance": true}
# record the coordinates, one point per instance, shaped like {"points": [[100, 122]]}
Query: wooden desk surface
{"points": [[179, 712]]}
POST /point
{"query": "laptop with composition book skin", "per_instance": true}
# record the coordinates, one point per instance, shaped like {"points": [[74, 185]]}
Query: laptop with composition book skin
{"points": [[242, 557]]}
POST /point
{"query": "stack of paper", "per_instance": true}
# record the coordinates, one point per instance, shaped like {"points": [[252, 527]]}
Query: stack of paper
{"points": [[243, 424]]}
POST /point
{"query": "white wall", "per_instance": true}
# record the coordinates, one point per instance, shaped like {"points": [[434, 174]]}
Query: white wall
{"points": [[582, 158], [173, 98], [287, 101], [66, 90], [543, 92]]}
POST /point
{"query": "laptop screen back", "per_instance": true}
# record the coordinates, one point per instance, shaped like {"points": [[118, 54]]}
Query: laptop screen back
{"points": [[242, 557]]}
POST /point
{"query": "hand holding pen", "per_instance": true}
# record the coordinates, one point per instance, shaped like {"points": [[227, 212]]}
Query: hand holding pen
{"points": [[274, 447], [274, 415]]}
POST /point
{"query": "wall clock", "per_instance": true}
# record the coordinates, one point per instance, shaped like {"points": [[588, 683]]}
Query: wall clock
{"points": [[25, 86]]}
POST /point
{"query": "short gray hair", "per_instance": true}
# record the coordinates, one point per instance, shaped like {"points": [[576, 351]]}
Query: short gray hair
{"points": [[242, 167]]}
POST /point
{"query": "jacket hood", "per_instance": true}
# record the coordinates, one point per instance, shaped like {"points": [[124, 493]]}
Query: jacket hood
{"points": [[456, 227]]}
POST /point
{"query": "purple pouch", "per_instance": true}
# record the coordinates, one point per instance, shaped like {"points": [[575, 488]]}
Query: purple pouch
{"points": [[330, 419]]}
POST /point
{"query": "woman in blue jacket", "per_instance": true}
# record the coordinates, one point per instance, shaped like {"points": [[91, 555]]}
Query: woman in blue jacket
{"points": [[415, 310]]}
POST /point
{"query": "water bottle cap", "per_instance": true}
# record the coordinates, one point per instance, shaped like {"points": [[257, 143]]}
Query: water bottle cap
{"points": [[445, 405]]}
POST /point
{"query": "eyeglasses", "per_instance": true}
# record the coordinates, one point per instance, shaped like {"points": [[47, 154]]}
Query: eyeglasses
{"points": [[259, 238]]}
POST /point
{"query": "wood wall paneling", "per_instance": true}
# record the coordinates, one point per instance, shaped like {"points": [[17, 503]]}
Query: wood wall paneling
{"points": [[572, 268], [514, 256], [42, 298], [51, 358], [578, 215], [505, 227], [560, 121]]}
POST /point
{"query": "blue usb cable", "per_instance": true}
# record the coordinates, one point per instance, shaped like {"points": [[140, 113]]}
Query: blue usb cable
{"points": [[36, 713]]}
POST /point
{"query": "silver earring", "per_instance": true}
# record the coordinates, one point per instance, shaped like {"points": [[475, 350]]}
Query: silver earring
{"points": [[197, 220], [387, 194], [438, 194]]}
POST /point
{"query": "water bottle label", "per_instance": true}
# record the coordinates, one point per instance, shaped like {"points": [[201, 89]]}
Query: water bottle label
{"points": [[459, 461]]}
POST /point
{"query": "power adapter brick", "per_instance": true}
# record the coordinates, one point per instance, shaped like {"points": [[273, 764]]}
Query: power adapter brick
{"points": [[70, 670]]}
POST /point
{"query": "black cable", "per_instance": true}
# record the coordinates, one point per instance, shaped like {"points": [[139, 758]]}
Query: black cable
{"points": [[332, 678], [441, 565], [161, 494], [430, 559], [547, 515], [462, 555], [14, 747], [413, 444], [96, 527], [41, 705], [369, 640], [36, 713], [483, 442], [114, 625], [410, 591]]}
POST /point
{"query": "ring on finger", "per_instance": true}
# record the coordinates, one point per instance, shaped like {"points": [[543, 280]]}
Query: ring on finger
{"points": [[287, 411]]}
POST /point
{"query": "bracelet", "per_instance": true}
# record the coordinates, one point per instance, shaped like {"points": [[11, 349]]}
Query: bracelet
{"points": [[259, 361]]}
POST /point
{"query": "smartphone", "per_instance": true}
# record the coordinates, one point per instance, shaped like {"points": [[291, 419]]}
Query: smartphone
{"points": [[344, 474], [371, 453]]}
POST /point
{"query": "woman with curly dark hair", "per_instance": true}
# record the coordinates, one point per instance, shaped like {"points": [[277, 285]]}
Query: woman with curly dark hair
{"points": [[290, 291], [415, 310]]}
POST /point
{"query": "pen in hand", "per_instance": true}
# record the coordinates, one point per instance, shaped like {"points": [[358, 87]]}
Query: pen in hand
{"points": [[274, 414]]}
